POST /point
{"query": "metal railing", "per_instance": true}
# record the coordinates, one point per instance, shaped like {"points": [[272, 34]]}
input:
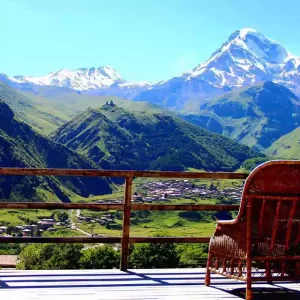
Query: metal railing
{"points": [[125, 240]]}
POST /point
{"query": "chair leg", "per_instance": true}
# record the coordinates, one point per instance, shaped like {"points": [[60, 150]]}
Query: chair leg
{"points": [[268, 272], [249, 295], [207, 277]]}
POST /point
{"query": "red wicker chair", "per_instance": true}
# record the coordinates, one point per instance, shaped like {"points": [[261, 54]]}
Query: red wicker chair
{"points": [[263, 242]]}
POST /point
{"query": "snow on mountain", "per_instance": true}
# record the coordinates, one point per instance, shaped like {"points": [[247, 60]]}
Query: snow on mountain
{"points": [[140, 84], [247, 57], [80, 79]]}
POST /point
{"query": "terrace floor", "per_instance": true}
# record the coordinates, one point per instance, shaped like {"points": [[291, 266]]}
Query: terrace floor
{"points": [[133, 284]]}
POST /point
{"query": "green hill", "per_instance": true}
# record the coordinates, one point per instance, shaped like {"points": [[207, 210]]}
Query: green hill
{"points": [[21, 146], [255, 116], [49, 107], [72, 103], [288, 146], [40, 113], [118, 139]]}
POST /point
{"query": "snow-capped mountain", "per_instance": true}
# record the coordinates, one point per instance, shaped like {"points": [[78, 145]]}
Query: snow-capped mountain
{"points": [[95, 81], [80, 79], [246, 58]]}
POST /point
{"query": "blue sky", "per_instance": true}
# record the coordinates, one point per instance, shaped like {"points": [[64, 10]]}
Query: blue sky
{"points": [[142, 39]]}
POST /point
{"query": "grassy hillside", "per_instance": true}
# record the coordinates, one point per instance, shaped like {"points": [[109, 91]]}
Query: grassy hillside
{"points": [[118, 139], [256, 116], [41, 114], [74, 103], [21, 146], [288, 146], [47, 108]]}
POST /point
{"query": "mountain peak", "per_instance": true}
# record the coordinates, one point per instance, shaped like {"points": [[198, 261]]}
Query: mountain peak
{"points": [[262, 47], [78, 79], [247, 57], [242, 33], [245, 31]]}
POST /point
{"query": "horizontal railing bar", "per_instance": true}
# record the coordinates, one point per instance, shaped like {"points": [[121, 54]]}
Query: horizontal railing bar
{"points": [[54, 205], [97, 239], [192, 207], [77, 239], [100, 206], [7, 266], [169, 239], [119, 173]]}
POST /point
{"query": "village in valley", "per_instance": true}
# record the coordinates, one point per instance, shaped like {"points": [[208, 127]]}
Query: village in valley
{"points": [[48, 224], [168, 190], [183, 189], [172, 191]]}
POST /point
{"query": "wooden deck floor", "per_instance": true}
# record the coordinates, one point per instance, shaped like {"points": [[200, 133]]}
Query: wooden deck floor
{"points": [[134, 284]]}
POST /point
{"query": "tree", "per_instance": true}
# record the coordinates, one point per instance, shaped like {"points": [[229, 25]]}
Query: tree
{"points": [[223, 215], [38, 232], [151, 256], [92, 227], [10, 249], [50, 257], [212, 187], [9, 229], [192, 255], [103, 257], [62, 216]]}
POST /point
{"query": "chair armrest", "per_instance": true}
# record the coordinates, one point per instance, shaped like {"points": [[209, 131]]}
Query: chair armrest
{"points": [[229, 239]]}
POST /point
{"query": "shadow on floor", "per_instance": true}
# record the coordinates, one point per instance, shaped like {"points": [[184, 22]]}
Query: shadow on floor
{"points": [[274, 293], [141, 279], [98, 274]]}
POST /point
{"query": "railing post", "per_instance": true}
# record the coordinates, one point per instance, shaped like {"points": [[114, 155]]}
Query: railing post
{"points": [[126, 223]]}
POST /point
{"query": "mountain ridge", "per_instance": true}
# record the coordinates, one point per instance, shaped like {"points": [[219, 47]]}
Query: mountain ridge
{"points": [[22, 147], [247, 57], [116, 138], [81, 79], [255, 116]]}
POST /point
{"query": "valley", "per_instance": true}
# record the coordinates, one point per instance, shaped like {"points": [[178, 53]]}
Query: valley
{"points": [[149, 223], [230, 113], [144, 223]]}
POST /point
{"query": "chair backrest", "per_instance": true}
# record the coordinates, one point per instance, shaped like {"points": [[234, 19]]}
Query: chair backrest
{"points": [[273, 191]]}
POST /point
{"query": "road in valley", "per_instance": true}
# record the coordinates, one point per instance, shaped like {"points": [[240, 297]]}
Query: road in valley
{"points": [[73, 226]]}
